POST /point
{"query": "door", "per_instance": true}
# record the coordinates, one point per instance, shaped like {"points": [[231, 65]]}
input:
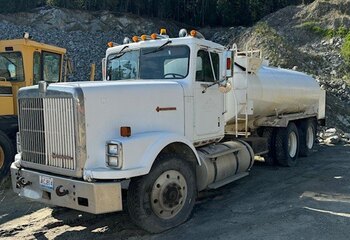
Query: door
{"points": [[208, 101]]}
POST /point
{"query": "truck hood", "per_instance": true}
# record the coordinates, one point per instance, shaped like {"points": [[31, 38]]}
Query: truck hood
{"points": [[145, 106], [101, 108]]}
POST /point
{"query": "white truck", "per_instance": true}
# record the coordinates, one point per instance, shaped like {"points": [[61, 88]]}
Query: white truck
{"points": [[173, 116]]}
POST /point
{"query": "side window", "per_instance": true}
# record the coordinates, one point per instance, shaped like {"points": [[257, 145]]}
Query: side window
{"points": [[204, 71], [36, 67], [51, 67]]}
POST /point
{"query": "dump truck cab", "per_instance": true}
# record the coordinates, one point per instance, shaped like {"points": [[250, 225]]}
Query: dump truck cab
{"points": [[23, 62]]}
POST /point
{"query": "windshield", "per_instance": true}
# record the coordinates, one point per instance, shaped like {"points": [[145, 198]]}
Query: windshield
{"points": [[122, 65], [11, 67], [168, 62]]}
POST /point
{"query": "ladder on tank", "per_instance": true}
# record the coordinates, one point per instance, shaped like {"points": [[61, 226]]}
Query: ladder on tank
{"points": [[252, 60]]}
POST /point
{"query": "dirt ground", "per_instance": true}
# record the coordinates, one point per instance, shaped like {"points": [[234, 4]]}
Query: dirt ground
{"points": [[309, 201]]}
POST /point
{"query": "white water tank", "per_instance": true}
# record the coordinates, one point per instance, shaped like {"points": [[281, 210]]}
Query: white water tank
{"points": [[272, 91]]}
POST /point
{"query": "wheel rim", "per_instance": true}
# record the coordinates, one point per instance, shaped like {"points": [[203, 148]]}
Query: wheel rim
{"points": [[168, 194], [310, 137], [292, 144], [2, 157]]}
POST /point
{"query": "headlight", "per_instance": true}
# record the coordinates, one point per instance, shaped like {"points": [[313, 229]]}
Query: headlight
{"points": [[114, 154], [113, 149]]}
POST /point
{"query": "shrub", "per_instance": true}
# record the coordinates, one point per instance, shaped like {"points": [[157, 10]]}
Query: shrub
{"points": [[345, 50], [325, 32]]}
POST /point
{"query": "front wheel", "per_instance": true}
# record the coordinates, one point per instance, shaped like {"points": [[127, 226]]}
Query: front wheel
{"points": [[287, 145], [164, 198]]}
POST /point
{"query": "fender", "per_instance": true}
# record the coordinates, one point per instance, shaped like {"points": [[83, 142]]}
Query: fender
{"points": [[139, 153]]}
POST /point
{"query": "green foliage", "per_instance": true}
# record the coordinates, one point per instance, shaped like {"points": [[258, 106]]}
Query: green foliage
{"points": [[345, 50], [194, 12], [342, 31], [325, 32]]}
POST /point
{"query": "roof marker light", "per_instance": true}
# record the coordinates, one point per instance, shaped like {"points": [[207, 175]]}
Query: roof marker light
{"points": [[162, 31], [135, 38], [196, 34], [193, 33], [154, 36], [144, 37]]}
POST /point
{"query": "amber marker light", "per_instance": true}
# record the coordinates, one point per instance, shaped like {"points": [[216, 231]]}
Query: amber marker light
{"points": [[125, 131], [154, 36], [162, 31], [110, 44], [144, 37], [193, 33], [135, 38]]}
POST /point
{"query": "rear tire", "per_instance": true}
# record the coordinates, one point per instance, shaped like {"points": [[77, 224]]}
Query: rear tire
{"points": [[270, 135], [164, 198], [307, 137], [287, 145], [7, 153]]}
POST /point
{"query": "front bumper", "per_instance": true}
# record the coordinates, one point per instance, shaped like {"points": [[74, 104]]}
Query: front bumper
{"points": [[65, 192]]}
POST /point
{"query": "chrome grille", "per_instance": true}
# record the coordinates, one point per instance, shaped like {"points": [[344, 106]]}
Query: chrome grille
{"points": [[47, 131], [31, 124]]}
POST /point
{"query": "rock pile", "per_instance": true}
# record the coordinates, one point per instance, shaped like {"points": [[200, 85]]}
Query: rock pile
{"points": [[85, 35], [333, 136]]}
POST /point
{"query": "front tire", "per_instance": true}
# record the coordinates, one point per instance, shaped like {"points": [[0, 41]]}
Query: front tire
{"points": [[287, 145], [7, 153], [164, 198]]}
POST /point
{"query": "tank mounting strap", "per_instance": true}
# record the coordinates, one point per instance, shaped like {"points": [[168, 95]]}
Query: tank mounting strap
{"points": [[218, 154], [225, 181]]}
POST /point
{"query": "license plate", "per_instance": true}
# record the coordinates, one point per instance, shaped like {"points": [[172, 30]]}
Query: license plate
{"points": [[46, 182]]}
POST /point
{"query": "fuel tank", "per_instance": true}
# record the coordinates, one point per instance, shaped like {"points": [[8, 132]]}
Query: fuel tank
{"points": [[222, 163]]}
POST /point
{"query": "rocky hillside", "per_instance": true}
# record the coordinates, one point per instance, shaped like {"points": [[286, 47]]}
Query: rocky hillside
{"points": [[84, 34], [307, 38]]}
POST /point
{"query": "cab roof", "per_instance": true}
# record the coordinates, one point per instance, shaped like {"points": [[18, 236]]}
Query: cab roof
{"points": [[188, 40], [30, 43]]}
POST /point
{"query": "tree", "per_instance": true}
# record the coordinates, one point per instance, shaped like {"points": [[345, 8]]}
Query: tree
{"points": [[193, 12]]}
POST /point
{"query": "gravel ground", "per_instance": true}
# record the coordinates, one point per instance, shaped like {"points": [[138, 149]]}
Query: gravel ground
{"points": [[309, 201]]}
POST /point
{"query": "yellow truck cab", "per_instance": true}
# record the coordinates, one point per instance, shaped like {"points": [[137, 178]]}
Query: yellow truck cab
{"points": [[23, 62]]}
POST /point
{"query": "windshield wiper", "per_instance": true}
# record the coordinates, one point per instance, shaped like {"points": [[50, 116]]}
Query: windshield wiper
{"points": [[159, 48], [120, 53]]}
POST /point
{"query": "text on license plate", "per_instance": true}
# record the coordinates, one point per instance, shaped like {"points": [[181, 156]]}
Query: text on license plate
{"points": [[46, 182]]}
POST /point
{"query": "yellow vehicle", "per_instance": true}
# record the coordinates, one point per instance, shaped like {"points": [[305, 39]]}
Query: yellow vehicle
{"points": [[23, 62]]}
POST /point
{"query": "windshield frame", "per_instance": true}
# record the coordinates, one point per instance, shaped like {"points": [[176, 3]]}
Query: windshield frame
{"points": [[139, 50], [22, 62]]}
